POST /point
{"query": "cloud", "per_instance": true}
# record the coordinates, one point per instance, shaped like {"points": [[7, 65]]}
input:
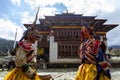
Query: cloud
{"points": [[16, 2], [26, 18], [86, 7], [104, 9], [8, 29], [113, 36], [43, 3]]}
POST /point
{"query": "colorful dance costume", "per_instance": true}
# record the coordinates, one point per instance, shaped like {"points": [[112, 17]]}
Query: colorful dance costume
{"points": [[25, 59], [94, 65]]}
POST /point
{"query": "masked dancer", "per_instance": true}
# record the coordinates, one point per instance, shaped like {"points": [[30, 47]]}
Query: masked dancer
{"points": [[94, 65]]}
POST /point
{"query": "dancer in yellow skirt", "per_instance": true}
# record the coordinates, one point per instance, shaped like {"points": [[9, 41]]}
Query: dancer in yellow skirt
{"points": [[94, 65], [25, 60]]}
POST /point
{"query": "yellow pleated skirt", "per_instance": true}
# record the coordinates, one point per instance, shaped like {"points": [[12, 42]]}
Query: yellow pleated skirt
{"points": [[17, 74], [89, 72]]}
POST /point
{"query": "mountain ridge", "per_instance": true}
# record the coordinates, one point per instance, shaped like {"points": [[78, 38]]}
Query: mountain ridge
{"points": [[114, 46], [5, 45]]}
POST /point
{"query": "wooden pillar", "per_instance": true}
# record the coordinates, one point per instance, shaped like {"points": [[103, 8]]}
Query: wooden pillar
{"points": [[103, 38]]}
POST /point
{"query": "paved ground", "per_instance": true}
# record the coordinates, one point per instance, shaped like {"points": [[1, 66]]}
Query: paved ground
{"points": [[66, 74]]}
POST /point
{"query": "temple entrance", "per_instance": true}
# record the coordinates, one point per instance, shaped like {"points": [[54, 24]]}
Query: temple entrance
{"points": [[46, 54], [43, 54]]}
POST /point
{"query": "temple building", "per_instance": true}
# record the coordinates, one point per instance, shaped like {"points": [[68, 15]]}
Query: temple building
{"points": [[60, 35]]}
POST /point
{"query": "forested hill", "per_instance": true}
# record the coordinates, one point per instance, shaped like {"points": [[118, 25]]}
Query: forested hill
{"points": [[5, 45], [115, 46]]}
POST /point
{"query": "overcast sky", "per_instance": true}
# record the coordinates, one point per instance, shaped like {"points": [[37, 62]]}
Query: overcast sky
{"points": [[15, 13]]}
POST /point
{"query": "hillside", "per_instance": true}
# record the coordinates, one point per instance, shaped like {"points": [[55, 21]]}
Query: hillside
{"points": [[5, 45], [115, 46]]}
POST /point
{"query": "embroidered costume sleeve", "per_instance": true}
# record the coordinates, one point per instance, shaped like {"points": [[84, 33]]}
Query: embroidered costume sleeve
{"points": [[20, 57], [92, 56], [91, 52], [25, 58]]}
